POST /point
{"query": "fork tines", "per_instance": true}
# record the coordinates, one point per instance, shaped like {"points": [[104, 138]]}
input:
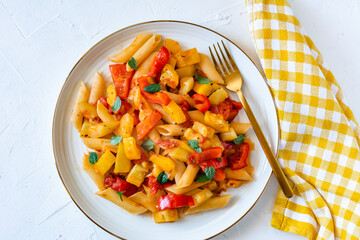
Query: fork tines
{"points": [[224, 64]]}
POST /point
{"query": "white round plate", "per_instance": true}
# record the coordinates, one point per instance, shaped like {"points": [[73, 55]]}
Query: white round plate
{"points": [[69, 149]]}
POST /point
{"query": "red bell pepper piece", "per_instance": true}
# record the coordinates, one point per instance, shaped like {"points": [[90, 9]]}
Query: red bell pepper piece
{"points": [[206, 154], [154, 185], [219, 175], [159, 61], [103, 100], [214, 162], [228, 108], [120, 185], [201, 102], [172, 201], [158, 97], [121, 79], [238, 159], [145, 126]]}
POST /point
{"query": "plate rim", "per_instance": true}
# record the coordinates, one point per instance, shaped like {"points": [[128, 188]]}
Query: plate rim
{"points": [[144, 23]]}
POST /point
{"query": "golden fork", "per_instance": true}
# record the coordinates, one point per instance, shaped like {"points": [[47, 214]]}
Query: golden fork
{"points": [[233, 82]]}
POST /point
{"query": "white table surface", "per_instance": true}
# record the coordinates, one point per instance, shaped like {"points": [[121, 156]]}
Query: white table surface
{"points": [[41, 40]]}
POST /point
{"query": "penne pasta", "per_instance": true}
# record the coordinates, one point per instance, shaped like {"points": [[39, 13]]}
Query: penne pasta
{"points": [[126, 204], [171, 130], [188, 176], [141, 198], [207, 67], [239, 174], [97, 89], [145, 50], [179, 170], [82, 96], [211, 204], [95, 143], [126, 54], [144, 68], [174, 189], [103, 113], [97, 178], [197, 115], [165, 115]]}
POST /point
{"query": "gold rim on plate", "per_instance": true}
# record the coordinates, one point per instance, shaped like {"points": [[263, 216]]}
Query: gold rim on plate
{"points": [[144, 23]]}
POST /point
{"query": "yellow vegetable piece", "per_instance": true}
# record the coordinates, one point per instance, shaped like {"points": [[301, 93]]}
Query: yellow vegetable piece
{"points": [[187, 71], [103, 113], [190, 134], [228, 136], [153, 198], [173, 46], [169, 76], [197, 115], [102, 129], [206, 88], [165, 163], [175, 112], [156, 170], [218, 96], [105, 162], [212, 203], [172, 62], [184, 145], [186, 58], [88, 110], [233, 183], [186, 84], [111, 95], [122, 164], [201, 197], [85, 129], [126, 125], [137, 175], [169, 215], [215, 141], [131, 148], [216, 121]]}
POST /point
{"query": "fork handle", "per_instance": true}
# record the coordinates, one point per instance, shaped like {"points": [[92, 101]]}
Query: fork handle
{"points": [[278, 171]]}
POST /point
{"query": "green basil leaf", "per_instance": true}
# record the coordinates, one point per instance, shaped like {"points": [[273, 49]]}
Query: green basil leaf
{"points": [[115, 140], [239, 139], [219, 159], [120, 195], [152, 88], [193, 144], [210, 172], [201, 79], [198, 150], [162, 178], [93, 158], [117, 105], [147, 145], [132, 63], [202, 178]]}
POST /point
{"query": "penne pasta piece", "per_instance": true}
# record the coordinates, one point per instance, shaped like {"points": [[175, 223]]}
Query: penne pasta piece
{"points": [[84, 132], [188, 176], [204, 130], [240, 128], [97, 89], [197, 115], [145, 50], [102, 129], [218, 96], [169, 215], [239, 174], [179, 153], [171, 130], [234, 183], [97, 178], [186, 84], [154, 136], [95, 143], [87, 110], [82, 96], [207, 67], [144, 68], [126, 125], [164, 114], [179, 170], [126, 54], [211, 204], [174, 189], [201, 196], [211, 185], [127, 204], [110, 147], [215, 141], [103, 113], [141, 198]]}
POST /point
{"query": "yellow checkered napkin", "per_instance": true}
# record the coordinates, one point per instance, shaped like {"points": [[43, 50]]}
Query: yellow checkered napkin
{"points": [[319, 145]]}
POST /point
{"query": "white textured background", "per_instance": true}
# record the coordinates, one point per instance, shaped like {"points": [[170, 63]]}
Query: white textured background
{"points": [[41, 40]]}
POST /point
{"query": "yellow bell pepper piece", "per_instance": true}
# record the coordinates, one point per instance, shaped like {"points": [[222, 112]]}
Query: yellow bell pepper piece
{"points": [[175, 112], [105, 162], [165, 163], [122, 164], [216, 121], [169, 215], [102, 129], [137, 175], [111, 95]]}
